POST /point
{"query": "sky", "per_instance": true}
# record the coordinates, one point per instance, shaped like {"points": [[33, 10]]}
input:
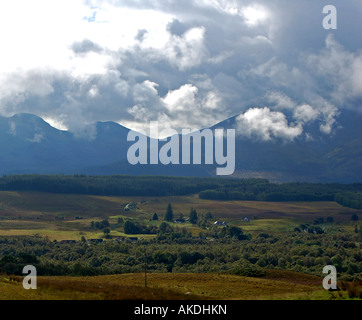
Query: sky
{"points": [[186, 64]]}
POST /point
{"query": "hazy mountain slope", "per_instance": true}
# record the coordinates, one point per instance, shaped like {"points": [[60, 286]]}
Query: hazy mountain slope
{"points": [[30, 145], [321, 158]]}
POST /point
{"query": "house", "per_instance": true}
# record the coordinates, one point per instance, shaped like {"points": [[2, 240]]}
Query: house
{"points": [[220, 223], [130, 206], [246, 219]]}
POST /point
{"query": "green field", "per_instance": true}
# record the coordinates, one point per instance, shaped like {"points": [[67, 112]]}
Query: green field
{"points": [[65, 216]]}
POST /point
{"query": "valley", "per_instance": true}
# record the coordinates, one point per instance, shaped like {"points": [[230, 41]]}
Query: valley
{"points": [[244, 250]]}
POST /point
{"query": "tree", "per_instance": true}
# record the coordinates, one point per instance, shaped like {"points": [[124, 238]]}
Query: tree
{"points": [[155, 216], [165, 228], [130, 228], [105, 223], [236, 232], [193, 216], [208, 216], [106, 231], [101, 224], [319, 220], [169, 213], [354, 217]]}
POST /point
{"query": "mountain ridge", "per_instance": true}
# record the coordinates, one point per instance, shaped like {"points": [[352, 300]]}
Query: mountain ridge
{"points": [[30, 145]]}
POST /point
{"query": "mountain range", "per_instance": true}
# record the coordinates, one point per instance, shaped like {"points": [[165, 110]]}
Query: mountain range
{"points": [[29, 145]]}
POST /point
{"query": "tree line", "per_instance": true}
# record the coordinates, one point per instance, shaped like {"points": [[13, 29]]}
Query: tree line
{"points": [[349, 195]]}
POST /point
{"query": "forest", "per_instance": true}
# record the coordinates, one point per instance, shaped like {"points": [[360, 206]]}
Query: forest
{"points": [[349, 195], [175, 251]]}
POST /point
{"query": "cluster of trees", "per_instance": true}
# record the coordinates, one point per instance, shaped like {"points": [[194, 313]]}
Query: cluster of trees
{"points": [[297, 251], [99, 224], [194, 217], [349, 199], [181, 235], [136, 227], [346, 195], [131, 227], [10, 264]]}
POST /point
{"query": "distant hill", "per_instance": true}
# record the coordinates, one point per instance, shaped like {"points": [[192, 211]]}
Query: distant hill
{"points": [[30, 145], [335, 158]]}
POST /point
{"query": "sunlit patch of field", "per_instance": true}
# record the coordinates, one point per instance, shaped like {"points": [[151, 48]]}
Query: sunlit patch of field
{"points": [[267, 225], [280, 285], [50, 234]]}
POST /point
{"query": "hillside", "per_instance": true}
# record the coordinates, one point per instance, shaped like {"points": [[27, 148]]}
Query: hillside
{"points": [[277, 285]]}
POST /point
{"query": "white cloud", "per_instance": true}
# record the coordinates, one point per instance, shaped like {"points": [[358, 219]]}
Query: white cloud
{"points": [[281, 100], [329, 112], [254, 15], [305, 113], [186, 51], [55, 123], [181, 99], [340, 69], [265, 124], [178, 109], [145, 91], [12, 129], [139, 113], [38, 137]]}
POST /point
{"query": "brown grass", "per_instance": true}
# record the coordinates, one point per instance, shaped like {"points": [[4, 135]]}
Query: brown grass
{"points": [[276, 285], [354, 289]]}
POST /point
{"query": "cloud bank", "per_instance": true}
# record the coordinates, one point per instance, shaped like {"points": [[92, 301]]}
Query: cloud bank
{"points": [[187, 65]]}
